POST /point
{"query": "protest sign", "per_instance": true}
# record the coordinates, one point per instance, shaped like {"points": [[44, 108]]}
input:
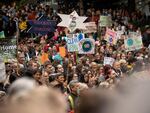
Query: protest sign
{"points": [[72, 21], [105, 21], [80, 36], [108, 61], [23, 25], [44, 58], [119, 33], [90, 27], [62, 51], [111, 36], [42, 26], [72, 44], [133, 41], [2, 35], [8, 49], [2, 71], [87, 46]]}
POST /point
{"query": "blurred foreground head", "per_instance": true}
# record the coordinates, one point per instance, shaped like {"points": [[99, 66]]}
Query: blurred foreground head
{"points": [[38, 100], [21, 88], [131, 96]]}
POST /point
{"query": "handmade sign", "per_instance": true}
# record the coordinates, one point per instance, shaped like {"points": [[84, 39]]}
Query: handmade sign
{"points": [[111, 36], [119, 33], [23, 25], [42, 26], [62, 51], [133, 42], [87, 46], [2, 71], [105, 21], [2, 35], [108, 61], [80, 36], [8, 49], [72, 44], [44, 58], [72, 21], [90, 27]]}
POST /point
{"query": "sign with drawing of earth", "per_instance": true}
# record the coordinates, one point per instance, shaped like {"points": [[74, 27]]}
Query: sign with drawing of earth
{"points": [[87, 46], [133, 43]]}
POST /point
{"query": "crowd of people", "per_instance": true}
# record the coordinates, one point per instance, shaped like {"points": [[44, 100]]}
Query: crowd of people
{"points": [[74, 74]]}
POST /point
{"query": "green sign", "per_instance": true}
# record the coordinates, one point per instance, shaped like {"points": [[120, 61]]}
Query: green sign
{"points": [[105, 21], [8, 49]]}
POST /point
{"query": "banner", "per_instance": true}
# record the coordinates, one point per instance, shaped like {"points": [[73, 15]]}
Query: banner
{"points": [[108, 61], [133, 41], [105, 21], [2, 35], [87, 46], [42, 26], [72, 44], [111, 36], [8, 49], [90, 27]]}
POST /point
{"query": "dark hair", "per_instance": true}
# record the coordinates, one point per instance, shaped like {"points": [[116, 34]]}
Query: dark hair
{"points": [[28, 73], [12, 78], [93, 102], [47, 63], [37, 71]]}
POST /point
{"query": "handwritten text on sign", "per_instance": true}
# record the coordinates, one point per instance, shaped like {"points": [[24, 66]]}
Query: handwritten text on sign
{"points": [[72, 44]]}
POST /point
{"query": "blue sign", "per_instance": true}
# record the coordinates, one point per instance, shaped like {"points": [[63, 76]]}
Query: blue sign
{"points": [[42, 26]]}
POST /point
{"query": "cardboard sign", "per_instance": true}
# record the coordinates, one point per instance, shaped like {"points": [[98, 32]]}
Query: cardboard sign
{"points": [[133, 41], [42, 26], [72, 44], [111, 36], [87, 46], [8, 49], [90, 27], [105, 21], [108, 61]]}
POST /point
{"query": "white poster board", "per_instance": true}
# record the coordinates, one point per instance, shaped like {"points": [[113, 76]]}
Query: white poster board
{"points": [[108, 61]]}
